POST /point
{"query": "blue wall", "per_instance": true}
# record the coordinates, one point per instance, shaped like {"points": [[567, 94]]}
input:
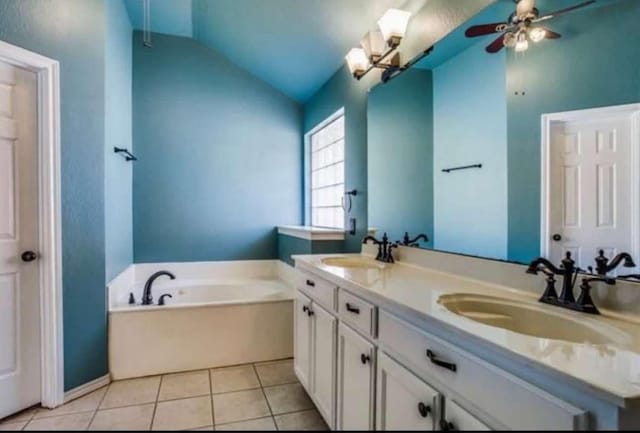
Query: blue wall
{"points": [[290, 245], [400, 155], [72, 32], [118, 172], [342, 90], [596, 63], [219, 156], [470, 127]]}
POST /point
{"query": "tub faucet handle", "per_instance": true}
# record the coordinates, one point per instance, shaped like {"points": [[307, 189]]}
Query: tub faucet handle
{"points": [[161, 300]]}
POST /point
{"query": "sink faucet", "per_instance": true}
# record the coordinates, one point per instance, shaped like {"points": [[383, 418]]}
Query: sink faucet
{"points": [[408, 242], [568, 271], [384, 248], [603, 265], [147, 299]]}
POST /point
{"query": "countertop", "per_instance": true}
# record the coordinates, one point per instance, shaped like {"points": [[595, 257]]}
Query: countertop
{"points": [[611, 369]]}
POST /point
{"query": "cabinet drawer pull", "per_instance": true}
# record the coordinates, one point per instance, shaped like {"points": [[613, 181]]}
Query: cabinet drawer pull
{"points": [[305, 308], [309, 312], [310, 283], [352, 309], [364, 358], [447, 426], [424, 409], [444, 364]]}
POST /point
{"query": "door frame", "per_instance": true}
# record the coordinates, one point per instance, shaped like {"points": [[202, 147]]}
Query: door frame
{"points": [[548, 120], [49, 217]]}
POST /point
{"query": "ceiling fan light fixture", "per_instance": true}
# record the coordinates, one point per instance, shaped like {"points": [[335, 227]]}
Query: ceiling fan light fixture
{"points": [[373, 44], [510, 40], [393, 26], [357, 61], [536, 34], [522, 44]]}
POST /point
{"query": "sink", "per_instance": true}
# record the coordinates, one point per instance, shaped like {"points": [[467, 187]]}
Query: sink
{"points": [[531, 319], [352, 263]]}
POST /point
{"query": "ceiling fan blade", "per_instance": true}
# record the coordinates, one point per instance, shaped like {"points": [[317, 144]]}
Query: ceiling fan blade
{"points": [[485, 29], [550, 34], [496, 45], [563, 11]]}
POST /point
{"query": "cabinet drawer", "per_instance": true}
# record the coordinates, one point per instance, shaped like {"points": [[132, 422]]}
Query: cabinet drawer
{"points": [[517, 404], [456, 418], [319, 290], [357, 312]]}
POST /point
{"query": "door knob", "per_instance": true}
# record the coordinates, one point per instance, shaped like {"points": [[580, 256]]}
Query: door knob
{"points": [[29, 256], [557, 237]]}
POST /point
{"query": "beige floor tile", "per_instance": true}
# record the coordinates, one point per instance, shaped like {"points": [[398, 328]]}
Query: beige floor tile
{"points": [[276, 373], [183, 385], [207, 428], [23, 415], [86, 403], [260, 424], [6, 426], [287, 398], [234, 379], [75, 421], [124, 418], [307, 420], [239, 406], [183, 414], [131, 392]]}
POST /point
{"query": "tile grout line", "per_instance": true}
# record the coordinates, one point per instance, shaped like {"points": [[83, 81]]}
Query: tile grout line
{"points": [[213, 410], [155, 406], [98, 406], [264, 394]]}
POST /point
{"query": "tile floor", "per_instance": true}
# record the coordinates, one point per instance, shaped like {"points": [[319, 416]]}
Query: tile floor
{"points": [[262, 396]]}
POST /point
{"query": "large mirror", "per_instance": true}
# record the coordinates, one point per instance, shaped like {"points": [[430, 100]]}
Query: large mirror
{"points": [[519, 153]]}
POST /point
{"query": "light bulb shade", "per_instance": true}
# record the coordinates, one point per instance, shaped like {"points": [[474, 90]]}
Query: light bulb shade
{"points": [[510, 40], [522, 45], [393, 25], [357, 61], [373, 45], [537, 34]]}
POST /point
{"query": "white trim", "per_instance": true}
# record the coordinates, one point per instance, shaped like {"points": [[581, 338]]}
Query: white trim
{"points": [[86, 388], [48, 76], [632, 110], [312, 233]]}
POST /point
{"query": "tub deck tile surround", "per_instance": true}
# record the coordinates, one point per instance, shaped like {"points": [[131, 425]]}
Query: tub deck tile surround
{"points": [[262, 396]]}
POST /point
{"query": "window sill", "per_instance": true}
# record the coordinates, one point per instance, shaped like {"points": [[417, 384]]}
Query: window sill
{"points": [[315, 233]]}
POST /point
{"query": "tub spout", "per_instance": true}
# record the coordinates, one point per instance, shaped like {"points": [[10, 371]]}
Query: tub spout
{"points": [[147, 299]]}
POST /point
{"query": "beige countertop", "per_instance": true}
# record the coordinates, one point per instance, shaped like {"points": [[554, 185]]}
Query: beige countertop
{"points": [[613, 369]]}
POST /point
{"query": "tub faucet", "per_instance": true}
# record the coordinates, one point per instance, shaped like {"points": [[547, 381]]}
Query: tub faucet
{"points": [[147, 299]]}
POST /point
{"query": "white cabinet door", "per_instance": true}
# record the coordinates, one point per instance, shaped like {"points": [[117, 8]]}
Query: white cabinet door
{"points": [[356, 376], [456, 418], [323, 355], [405, 402], [302, 343]]}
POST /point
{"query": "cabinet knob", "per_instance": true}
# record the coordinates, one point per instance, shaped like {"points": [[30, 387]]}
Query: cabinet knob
{"points": [[424, 410], [364, 358]]}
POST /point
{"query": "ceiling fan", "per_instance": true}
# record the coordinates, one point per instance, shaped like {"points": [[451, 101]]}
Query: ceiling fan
{"points": [[519, 29]]}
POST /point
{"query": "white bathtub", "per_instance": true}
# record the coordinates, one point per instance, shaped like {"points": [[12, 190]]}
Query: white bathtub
{"points": [[219, 314]]}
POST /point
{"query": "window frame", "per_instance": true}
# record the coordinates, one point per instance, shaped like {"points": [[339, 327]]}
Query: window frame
{"points": [[308, 186]]}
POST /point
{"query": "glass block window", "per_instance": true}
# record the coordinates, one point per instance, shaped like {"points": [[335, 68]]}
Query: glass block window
{"points": [[327, 174]]}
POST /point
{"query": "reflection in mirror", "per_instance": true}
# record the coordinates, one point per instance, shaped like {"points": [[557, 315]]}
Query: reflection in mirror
{"points": [[519, 153]]}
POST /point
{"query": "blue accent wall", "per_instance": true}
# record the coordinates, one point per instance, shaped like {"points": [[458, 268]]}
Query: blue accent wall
{"points": [[118, 179], [72, 32], [220, 156], [470, 127], [400, 156], [595, 64], [342, 90], [290, 245]]}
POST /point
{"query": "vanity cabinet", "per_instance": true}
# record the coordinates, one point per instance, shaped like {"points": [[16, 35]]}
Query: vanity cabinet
{"points": [[356, 381], [455, 417], [315, 353]]}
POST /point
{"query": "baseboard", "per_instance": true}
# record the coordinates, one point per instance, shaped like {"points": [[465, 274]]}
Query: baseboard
{"points": [[86, 388]]}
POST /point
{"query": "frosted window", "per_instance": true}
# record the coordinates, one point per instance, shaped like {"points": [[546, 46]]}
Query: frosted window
{"points": [[327, 175]]}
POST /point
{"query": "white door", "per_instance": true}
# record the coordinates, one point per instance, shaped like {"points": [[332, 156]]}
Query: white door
{"points": [[356, 378], [591, 202], [302, 340], [19, 280], [324, 329], [405, 402]]}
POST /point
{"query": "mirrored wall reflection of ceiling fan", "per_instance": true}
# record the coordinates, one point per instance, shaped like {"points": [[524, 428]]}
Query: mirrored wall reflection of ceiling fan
{"points": [[521, 27]]}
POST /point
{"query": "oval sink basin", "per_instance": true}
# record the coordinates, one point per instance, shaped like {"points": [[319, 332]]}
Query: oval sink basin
{"points": [[352, 263], [530, 319]]}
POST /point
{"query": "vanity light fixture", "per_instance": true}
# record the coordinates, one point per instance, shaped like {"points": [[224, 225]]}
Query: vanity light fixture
{"points": [[376, 46]]}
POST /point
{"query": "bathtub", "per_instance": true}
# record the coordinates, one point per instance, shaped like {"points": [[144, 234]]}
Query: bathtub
{"points": [[219, 314]]}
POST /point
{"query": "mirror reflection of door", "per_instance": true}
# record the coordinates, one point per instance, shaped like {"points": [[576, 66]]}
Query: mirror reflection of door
{"points": [[592, 201]]}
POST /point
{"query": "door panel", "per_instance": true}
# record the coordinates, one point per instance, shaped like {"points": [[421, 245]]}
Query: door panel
{"points": [[302, 346], [324, 361], [590, 195], [19, 281], [356, 376]]}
